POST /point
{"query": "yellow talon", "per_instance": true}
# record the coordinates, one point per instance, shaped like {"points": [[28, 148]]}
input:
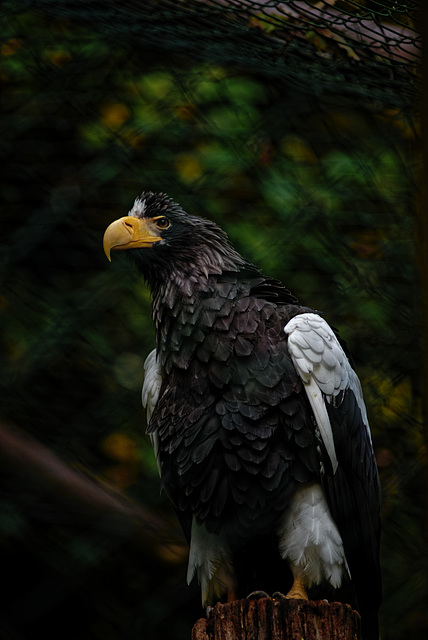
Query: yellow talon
{"points": [[297, 591]]}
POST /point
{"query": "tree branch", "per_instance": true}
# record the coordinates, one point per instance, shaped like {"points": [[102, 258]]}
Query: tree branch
{"points": [[279, 619]]}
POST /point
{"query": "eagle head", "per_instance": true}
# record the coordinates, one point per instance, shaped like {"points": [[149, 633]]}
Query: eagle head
{"points": [[163, 239]]}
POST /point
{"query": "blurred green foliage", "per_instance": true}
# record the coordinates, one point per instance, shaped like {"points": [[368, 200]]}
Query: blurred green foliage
{"points": [[317, 192]]}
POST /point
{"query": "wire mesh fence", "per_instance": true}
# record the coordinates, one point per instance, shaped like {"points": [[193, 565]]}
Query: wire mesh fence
{"points": [[295, 126]]}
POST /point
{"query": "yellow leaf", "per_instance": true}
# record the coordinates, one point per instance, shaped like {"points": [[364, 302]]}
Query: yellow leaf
{"points": [[189, 168], [10, 47], [120, 447], [59, 58], [114, 115]]}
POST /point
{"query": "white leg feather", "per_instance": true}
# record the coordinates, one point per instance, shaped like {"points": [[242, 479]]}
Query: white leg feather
{"points": [[309, 539]]}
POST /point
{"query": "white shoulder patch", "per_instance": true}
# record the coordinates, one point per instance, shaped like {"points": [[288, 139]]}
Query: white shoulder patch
{"points": [[150, 394], [324, 368]]}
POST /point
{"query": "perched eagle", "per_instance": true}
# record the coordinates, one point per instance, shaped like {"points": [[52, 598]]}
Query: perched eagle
{"points": [[257, 420]]}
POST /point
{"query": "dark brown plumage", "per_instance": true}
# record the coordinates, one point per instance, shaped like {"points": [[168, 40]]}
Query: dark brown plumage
{"points": [[257, 419]]}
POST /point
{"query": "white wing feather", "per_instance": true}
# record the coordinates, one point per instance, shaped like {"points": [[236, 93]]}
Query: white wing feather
{"points": [[150, 394], [325, 370]]}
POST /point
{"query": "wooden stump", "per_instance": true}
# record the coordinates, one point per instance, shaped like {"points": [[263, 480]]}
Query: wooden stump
{"points": [[272, 619]]}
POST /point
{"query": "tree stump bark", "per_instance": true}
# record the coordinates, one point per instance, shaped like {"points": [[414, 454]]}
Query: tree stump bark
{"points": [[279, 619]]}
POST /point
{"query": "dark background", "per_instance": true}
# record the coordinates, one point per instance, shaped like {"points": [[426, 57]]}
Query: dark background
{"points": [[307, 154]]}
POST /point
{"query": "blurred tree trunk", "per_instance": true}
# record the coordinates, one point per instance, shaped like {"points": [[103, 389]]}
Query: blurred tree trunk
{"points": [[282, 619], [50, 490]]}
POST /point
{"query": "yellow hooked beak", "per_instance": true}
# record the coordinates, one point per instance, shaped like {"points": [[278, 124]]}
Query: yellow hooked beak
{"points": [[129, 233]]}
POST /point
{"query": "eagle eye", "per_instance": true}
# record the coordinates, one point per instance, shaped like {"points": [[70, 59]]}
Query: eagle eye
{"points": [[163, 223]]}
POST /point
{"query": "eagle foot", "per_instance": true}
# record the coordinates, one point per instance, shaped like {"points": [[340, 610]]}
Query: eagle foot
{"points": [[297, 592], [257, 595]]}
